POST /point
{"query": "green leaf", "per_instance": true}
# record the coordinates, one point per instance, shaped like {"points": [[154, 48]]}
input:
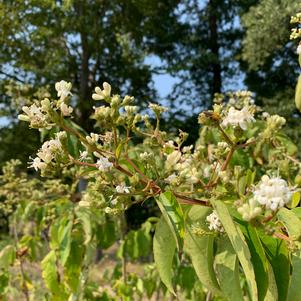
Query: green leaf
{"points": [[250, 176], [278, 255], [239, 244], [73, 145], [50, 274], [144, 242], [295, 200], [7, 256], [200, 248], [54, 240], [173, 214], [64, 238], [119, 150], [186, 278], [4, 281], [297, 211], [164, 251], [263, 272], [294, 292], [73, 266], [131, 247], [227, 268], [291, 222], [298, 94], [272, 292], [106, 234], [84, 216], [242, 184], [288, 144]]}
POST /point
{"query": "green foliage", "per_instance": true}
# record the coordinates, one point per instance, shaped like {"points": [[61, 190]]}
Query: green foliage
{"points": [[227, 269], [200, 249], [164, 252], [173, 215], [260, 21], [240, 246]]}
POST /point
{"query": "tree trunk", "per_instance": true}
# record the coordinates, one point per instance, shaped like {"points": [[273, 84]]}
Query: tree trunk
{"points": [[85, 97], [214, 47]]}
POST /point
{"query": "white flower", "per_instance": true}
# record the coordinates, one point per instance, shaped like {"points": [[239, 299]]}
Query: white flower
{"points": [[207, 171], [34, 115], [192, 175], [275, 122], [249, 210], [102, 94], [114, 202], [171, 179], [222, 145], [172, 159], [84, 204], [157, 108], [93, 138], [145, 156], [37, 163], [83, 155], [238, 118], [122, 188], [299, 49], [187, 149], [108, 210], [104, 164], [65, 109], [49, 150], [63, 89], [273, 193], [214, 222]]}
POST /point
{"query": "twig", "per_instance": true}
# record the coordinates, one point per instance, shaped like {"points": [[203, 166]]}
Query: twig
{"points": [[229, 156], [191, 201], [227, 138]]}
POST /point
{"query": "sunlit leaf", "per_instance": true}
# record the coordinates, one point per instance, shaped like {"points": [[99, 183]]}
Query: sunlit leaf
{"points": [[227, 268], [164, 252], [173, 214], [291, 222], [295, 284], [200, 248], [239, 244]]}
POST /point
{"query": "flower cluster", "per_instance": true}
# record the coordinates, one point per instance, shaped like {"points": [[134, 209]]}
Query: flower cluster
{"points": [[239, 118], [39, 115], [102, 94], [63, 89], [214, 223], [273, 193], [122, 188], [35, 116], [103, 163], [49, 152], [296, 31], [250, 210]]}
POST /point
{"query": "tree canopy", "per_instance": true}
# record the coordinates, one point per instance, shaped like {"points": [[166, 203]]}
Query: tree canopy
{"points": [[208, 46]]}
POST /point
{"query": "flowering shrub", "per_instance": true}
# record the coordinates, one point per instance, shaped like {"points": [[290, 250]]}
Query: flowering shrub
{"points": [[229, 200], [229, 203]]}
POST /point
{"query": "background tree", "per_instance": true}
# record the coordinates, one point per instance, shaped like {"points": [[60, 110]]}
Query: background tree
{"points": [[84, 42], [201, 43], [269, 58]]}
